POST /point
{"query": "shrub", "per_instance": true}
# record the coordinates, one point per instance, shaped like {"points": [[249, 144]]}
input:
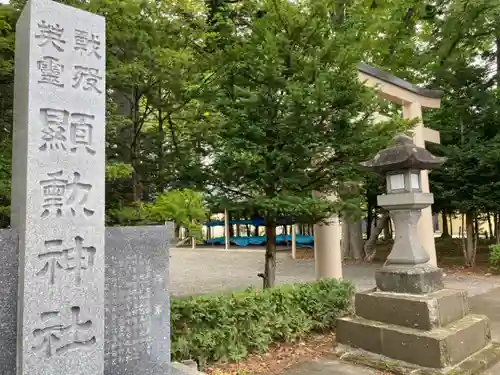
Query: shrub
{"points": [[229, 327], [495, 258]]}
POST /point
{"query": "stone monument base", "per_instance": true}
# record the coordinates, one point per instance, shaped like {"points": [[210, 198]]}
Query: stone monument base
{"points": [[432, 330], [156, 368], [473, 365]]}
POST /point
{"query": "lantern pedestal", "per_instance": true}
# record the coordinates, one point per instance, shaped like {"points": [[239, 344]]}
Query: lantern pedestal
{"points": [[421, 279], [417, 334], [410, 321]]}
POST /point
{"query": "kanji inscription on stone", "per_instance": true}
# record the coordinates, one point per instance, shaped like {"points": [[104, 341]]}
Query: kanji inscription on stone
{"points": [[50, 71], [87, 43], [81, 132], [58, 189], [61, 194], [50, 34], [62, 130], [56, 334], [137, 297], [87, 78], [74, 260]]}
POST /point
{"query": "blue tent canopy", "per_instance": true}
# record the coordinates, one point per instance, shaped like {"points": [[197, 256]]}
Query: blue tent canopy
{"points": [[282, 239], [259, 222]]}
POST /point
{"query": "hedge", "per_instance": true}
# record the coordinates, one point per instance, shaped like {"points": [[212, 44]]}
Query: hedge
{"points": [[229, 327]]}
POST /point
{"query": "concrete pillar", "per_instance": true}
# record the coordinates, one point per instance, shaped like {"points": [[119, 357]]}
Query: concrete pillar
{"points": [[294, 240], [425, 225], [227, 241], [327, 251]]}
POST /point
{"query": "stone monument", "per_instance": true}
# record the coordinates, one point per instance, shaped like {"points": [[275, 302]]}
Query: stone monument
{"points": [[8, 301], [137, 300], [58, 189], [77, 311], [410, 317]]}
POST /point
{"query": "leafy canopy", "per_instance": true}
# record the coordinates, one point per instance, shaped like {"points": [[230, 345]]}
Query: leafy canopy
{"points": [[293, 116]]}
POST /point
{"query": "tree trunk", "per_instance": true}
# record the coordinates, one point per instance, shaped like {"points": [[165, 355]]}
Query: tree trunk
{"points": [[490, 226], [476, 226], [497, 228], [470, 248], [136, 182], [495, 220], [369, 221], [177, 231], [371, 243], [269, 275], [248, 230], [346, 240], [450, 216], [444, 217], [256, 232], [356, 240], [238, 231]]}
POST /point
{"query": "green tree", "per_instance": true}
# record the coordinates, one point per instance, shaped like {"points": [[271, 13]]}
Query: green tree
{"points": [[7, 30], [468, 122], [185, 207], [463, 57], [293, 117]]}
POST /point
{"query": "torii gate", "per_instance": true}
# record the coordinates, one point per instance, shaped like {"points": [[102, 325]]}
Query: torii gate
{"points": [[328, 254]]}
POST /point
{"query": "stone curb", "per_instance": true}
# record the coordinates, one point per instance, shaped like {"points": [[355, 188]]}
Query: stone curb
{"points": [[187, 368]]}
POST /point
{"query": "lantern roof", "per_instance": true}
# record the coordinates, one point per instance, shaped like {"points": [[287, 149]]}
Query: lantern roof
{"points": [[403, 155]]}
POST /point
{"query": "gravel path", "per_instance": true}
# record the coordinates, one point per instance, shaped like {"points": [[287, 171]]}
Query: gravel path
{"points": [[206, 271]]}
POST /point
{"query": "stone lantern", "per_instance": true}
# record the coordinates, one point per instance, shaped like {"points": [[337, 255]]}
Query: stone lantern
{"points": [[410, 319], [401, 164], [404, 199]]}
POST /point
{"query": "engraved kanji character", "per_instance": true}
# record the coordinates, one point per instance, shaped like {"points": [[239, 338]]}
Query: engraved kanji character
{"points": [[78, 188], [54, 190], [79, 258], [53, 260], [56, 197], [46, 338], [72, 260], [51, 33], [54, 127], [51, 71], [72, 334], [88, 43], [81, 132], [86, 78], [56, 338]]}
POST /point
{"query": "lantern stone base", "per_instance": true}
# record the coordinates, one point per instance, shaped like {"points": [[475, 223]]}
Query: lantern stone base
{"points": [[418, 279], [473, 365], [430, 331]]}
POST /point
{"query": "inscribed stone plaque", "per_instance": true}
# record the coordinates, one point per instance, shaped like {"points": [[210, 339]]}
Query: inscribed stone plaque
{"points": [[137, 298], [58, 189], [8, 300]]}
